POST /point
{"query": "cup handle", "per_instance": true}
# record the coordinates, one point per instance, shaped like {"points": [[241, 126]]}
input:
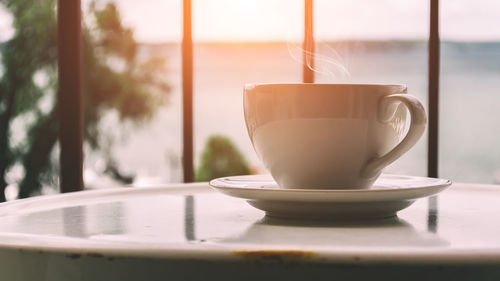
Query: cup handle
{"points": [[386, 109]]}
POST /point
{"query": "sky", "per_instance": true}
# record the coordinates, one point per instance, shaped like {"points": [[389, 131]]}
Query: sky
{"points": [[247, 20], [278, 20]]}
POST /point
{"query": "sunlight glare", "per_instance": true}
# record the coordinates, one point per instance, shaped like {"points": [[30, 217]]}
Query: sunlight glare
{"points": [[242, 20]]}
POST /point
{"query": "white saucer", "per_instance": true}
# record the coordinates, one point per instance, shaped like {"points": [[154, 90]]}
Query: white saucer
{"points": [[389, 194]]}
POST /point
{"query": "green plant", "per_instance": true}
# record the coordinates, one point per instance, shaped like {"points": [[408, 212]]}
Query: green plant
{"points": [[220, 158], [116, 80]]}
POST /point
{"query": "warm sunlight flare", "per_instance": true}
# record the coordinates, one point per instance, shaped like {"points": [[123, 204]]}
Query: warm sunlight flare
{"points": [[247, 20], [278, 20], [257, 139]]}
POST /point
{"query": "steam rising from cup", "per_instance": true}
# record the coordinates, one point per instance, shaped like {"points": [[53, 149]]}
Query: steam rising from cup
{"points": [[332, 64]]}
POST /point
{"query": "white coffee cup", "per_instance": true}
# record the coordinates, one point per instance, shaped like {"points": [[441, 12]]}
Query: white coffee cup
{"points": [[330, 136]]}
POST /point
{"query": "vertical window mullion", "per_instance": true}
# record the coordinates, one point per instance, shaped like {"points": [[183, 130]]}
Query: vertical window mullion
{"points": [[70, 101], [432, 150], [432, 155], [308, 44], [187, 94]]}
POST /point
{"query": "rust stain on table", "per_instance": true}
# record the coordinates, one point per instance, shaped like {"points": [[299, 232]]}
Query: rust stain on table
{"points": [[275, 256]]}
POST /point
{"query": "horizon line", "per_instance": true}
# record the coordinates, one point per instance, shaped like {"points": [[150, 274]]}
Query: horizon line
{"points": [[321, 41]]}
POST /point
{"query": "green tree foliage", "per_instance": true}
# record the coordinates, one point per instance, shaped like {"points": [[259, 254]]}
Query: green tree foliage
{"points": [[221, 158], [116, 79]]}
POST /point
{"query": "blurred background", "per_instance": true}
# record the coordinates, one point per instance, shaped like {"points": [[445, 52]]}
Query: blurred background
{"points": [[132, 76]]}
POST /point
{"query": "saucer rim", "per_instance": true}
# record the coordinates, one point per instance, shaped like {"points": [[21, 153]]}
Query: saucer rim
{"points": [[332, 196], [445, 183]]}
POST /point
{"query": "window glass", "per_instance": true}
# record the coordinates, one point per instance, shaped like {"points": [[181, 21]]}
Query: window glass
{"points": [[133, 82], [238, 42], [139, 133], [469, 101]]}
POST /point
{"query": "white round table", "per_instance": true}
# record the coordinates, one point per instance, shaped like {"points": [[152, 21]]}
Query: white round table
{"points": [[190, 232]]}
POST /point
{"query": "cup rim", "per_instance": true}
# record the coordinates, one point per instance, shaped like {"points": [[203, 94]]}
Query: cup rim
{"points": [[250, 86]]}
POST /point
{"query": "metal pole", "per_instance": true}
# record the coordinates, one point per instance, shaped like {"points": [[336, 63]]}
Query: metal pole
{"points": [[432, 154], [70, 104], [308, 45], [187, 93]]}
